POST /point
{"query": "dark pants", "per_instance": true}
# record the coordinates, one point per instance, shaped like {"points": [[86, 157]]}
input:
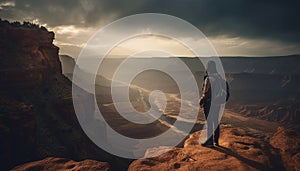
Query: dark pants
{"points": [[213, 127]]}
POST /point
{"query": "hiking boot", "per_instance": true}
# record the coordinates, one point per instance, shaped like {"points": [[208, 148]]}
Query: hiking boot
{"points": [[207, 144]]}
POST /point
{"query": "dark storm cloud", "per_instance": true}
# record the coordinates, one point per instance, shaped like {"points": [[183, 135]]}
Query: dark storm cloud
{"points": [[68, 12], [272, 20]]}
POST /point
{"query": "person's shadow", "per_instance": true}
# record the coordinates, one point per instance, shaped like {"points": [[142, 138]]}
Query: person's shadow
{"points": [[249, 162]]}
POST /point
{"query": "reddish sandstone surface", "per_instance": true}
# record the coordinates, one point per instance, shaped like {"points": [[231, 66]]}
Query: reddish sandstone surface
{"points": [[288, 141], [238, 150]]}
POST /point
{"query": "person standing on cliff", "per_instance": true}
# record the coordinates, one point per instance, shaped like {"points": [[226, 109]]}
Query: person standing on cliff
{"points": [[215, 92]]}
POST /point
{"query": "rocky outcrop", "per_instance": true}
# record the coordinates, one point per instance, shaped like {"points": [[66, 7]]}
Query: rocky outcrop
{"points": [[68, 64], [62, 164], [28, 57], [28, 60], [238, 150], [37, 117]]}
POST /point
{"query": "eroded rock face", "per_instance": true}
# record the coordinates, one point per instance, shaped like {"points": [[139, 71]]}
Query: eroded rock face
{"points": [[238, 150], [37, 117], [28, 57], [63, 164]]}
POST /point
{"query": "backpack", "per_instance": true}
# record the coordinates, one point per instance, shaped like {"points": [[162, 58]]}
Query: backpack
{"points": [[221, 90]]}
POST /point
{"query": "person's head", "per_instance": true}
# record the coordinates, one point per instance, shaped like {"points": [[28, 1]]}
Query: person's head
{"points": [[211, 67]]}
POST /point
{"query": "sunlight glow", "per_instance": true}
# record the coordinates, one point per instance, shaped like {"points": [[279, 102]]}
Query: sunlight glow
{"points": [[150, 43], [7, 4]]}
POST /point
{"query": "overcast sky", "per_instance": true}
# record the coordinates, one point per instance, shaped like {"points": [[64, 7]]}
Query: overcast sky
{"points": [[235, 27]]}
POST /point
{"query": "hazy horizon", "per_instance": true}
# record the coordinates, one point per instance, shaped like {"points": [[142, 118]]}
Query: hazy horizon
{"points": [[122, 56]]}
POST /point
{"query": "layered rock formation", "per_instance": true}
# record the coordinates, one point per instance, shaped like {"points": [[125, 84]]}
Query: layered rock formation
{"points": [[286, 111]]}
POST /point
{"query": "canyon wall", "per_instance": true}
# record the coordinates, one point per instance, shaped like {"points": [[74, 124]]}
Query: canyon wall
{"points": [[37, 117]]}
